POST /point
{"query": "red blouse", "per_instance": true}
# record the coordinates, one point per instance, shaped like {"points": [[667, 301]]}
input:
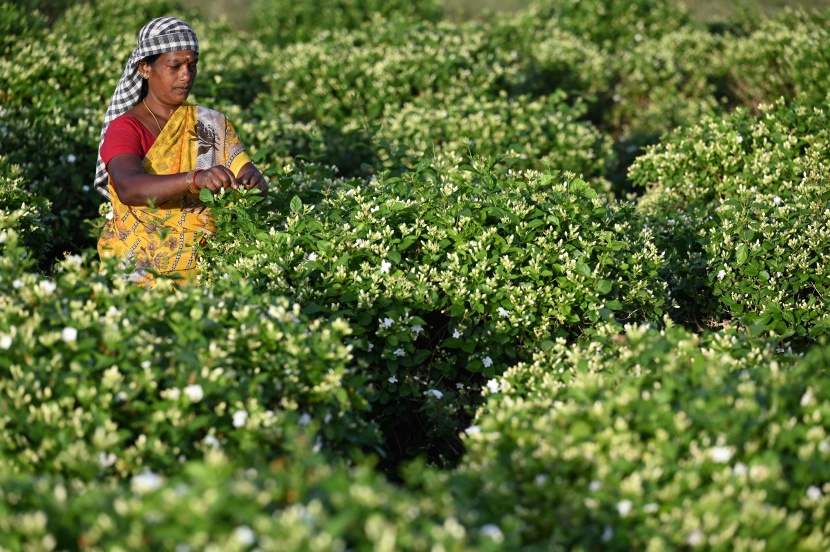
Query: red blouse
{"points": [[126, 134]]}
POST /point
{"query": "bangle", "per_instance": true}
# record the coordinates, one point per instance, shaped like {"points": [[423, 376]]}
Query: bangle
{"points": [[188, 180], [191, 185]]}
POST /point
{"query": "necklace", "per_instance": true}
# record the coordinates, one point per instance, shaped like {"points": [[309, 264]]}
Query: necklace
{"points": [[153, 114]]}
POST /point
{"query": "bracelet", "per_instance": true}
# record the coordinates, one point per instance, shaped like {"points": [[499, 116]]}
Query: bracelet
{"points": [[189, 180], [191, 184]]}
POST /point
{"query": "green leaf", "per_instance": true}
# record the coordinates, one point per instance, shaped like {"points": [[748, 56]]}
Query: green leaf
{"points": [[604, 286], [296, 204], [205, 195], [742, 254], [582, 269]]}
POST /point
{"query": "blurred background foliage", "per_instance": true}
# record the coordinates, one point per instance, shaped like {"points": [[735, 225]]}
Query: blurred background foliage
{"points": [[238, 11]]}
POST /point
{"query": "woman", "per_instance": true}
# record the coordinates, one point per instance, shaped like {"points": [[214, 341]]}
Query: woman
{"points": [[157, 153]]}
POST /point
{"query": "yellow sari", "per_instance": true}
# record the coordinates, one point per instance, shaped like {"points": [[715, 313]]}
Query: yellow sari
{"points": [[160, 240]]}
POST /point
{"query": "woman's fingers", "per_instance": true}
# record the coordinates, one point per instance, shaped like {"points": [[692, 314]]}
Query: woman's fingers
{"points": [[253, 179], [215, 178]]}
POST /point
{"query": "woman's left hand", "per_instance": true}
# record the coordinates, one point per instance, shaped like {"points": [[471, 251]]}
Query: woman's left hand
{"points": [[250, 177]]}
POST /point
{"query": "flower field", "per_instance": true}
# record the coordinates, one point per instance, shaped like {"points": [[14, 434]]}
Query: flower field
{"points": [[551, 280]]}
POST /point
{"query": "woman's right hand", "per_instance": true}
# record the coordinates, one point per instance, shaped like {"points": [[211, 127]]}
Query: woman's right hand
{"points": [[215, 178]]}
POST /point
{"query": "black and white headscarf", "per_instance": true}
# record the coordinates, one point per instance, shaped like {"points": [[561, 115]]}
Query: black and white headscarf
{"points": [[165, 34]]}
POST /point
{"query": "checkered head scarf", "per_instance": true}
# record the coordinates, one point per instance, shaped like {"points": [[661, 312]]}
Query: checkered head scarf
{"points": [[165, 34]]}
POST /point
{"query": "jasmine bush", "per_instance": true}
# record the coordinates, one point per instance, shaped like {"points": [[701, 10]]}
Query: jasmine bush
{"points": [[446, 274], [305, 503], [24, 212], [715, 189], [101, 377], [611, 25], [785, 57], [658, 440], [280, 22]]}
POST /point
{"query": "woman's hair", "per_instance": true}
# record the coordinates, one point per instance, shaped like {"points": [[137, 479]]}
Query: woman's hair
{"points": [[149, 60]]}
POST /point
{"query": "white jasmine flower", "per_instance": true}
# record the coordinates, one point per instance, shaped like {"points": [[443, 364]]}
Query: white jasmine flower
{"points": [[174, 393], [75, 260], [71, 158], [393, 379], [85, 187], [47, 286], [720, 455], [145, 482], [434, 392], [69, 334], [494, 386], [417, 329], [721, 274], [695, 538], [739, 469], [777, 201], [487, 362], [311, 257], [807, 398], [5, 342], [492, 531], [459, 386], [304, 420], [813, 492], [624, 507], [594, 486], [503, 312], [387, 322], [194, 392], [473, 430], [456, 334], [109, 215], [211, 441], [740, 138], [400, 352], [385, 266], [540, 480], [240, 417], [244, 535], [18, 283], [375, 209], [105, 460]]}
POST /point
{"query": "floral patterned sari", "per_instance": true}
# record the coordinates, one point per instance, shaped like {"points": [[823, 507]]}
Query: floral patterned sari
{"points": [[160, 240]]}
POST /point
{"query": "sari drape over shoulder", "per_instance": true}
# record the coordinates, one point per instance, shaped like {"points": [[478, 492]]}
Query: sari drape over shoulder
{"points": [[161, 240]]}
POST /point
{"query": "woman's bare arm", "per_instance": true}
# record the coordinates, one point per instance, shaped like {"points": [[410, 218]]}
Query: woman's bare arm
{"points": [[136, 188]]}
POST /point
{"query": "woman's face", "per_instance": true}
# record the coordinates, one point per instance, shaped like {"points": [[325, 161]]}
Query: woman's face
{"points": [[171, 76]]}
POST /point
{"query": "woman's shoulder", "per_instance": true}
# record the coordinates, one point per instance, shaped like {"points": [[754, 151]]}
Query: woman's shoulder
{"points": [[124, 122]]}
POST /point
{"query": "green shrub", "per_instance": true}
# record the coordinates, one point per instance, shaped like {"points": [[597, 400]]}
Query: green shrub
{"points": [[786, 56], [101, 377], [720, 159], [360, 74], [282, 22], [24, 212], [299, 502], [655, 440], [534, 133], [610, 24], [768, 254], [665, 82], [445, 275]]}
